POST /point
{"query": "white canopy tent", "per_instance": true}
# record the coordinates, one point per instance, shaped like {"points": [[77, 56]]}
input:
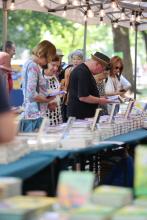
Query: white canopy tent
{"points": [[125, 13], [90, 10], [118, 12]]}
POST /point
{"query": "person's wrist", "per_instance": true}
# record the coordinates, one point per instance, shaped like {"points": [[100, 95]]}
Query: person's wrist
{"points": [[98, 101]]}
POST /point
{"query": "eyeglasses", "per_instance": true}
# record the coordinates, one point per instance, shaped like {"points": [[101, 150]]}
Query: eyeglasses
{"points": [[117, 67]]}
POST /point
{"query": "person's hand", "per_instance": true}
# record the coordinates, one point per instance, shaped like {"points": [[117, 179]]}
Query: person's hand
{"points": [[62, 84], [52, 106], [8, 127], [51, 98], [128, 99], [104, 101], [121, 92]]}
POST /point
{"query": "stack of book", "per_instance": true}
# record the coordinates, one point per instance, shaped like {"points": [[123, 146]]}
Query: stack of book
{"points": [[141, 201], [74, 188], [115, 197], [9, 187], [91, 212], [13, 151], [24, 207], [140, 182], [131, 213]]}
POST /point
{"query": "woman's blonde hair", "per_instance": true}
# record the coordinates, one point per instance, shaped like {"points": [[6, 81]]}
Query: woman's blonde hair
{"points": [[44, 49]]}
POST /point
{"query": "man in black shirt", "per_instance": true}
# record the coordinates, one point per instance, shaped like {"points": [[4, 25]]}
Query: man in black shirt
{"points": [[83, 93]]}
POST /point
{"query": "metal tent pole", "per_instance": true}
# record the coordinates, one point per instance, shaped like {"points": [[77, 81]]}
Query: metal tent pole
{"points": [[5, 21], [85, 39], [135, 64]]}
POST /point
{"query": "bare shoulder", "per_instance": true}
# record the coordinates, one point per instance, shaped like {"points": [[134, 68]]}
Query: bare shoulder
{"points": [[68, 71]]}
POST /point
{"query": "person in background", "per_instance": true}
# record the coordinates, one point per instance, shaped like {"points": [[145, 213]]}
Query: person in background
{"points": [[10, 48], [116, 83], [5, 64], [7, 126], [100, 81], [54, 115], [76, 59], [60, 74], [34, 86], [83, 93]]}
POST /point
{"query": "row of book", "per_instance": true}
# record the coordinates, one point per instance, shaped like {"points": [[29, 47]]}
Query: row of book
{"points": [[79, 135], [76, 199], [104, 203]]}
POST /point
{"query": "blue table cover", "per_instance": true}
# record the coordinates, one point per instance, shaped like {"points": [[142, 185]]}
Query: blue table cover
{"points": [[36, 161], [26, 166]]}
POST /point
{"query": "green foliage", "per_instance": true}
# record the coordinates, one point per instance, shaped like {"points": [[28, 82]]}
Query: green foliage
{"points": [[141, 45], [100, 38], [27, 28]]}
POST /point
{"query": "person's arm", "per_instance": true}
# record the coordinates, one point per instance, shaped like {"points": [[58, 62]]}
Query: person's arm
{"points": [[43, 99], [31, 92], [67, 75], [115, 93], [125, 83], [84, 92], [94, 100], [7, 126]]}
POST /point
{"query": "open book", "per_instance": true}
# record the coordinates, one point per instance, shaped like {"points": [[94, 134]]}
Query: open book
{"points": [[117, 98], [61, 92]]}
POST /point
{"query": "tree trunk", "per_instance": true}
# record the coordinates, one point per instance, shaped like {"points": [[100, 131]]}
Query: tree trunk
{"points": [[121, 44], [144, 33]]}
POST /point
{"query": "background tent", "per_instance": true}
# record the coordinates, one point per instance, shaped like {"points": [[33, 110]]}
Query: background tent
{"points": [[127, 13], [93, 11]]}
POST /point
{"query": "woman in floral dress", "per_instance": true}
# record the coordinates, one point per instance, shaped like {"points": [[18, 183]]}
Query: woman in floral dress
{"points": [[34, 86]]}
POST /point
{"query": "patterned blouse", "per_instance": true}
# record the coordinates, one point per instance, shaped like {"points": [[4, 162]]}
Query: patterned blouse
{"points": [[101, 89], [55, 116], [33, 84]]}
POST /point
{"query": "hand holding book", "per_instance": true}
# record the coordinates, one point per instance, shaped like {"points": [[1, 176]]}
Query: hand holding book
{"points": [[61, 92]]}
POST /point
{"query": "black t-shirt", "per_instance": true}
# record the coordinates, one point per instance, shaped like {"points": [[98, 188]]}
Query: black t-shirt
{"points": [[4, 106], [82, 84]]}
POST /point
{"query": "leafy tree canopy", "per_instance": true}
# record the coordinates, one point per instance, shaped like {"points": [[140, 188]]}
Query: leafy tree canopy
{"points": [[27, 28]]}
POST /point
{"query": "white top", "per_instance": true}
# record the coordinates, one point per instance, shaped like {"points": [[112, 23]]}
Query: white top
{"points": [[53, 86], [114, 84], [125, 83], [55, 116]]}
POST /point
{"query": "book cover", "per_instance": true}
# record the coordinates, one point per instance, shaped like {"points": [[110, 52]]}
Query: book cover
{"points": [[140, 183], [74, 188], [131, 212], [104, 195]]}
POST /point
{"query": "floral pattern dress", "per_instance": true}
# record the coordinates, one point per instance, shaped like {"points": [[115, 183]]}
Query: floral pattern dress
{"points": [[33, 84]]}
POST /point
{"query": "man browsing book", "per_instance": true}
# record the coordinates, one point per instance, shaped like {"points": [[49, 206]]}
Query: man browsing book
{"points": [[83, 93]]}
